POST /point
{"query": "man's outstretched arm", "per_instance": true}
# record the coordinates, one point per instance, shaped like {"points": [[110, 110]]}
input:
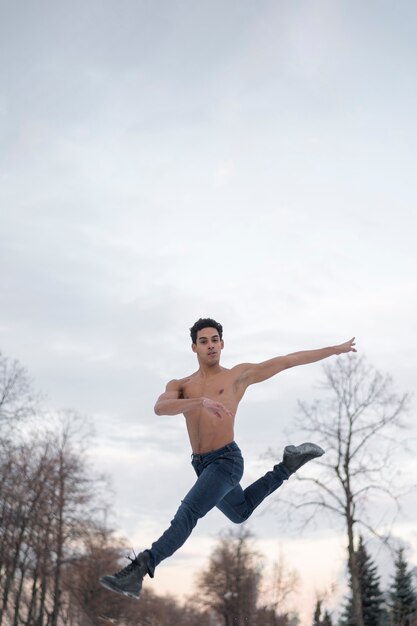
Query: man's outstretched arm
{"points": [[256, 373]]}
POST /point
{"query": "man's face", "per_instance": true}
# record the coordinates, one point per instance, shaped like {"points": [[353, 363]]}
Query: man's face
{"points": [[208, 345]]}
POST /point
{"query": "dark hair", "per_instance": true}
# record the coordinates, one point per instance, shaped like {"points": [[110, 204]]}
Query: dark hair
{"points": [[205, 322]]}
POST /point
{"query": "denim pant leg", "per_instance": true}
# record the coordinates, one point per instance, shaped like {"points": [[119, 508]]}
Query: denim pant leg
{"points": [[218, 473], [239, 504]]}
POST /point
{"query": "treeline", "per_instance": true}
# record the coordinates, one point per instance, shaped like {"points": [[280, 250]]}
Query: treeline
{"points": [[395, 606], [234, 588], [55, 541], [359, 420]]}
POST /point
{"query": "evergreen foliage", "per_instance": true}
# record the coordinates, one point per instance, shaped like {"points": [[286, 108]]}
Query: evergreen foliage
{"points": [[317, 613], [372, 599], [403, 597], [320, 620]]}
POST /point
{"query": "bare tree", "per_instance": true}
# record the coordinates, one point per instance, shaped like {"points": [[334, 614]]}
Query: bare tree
{"points": [[48, 504], [54, 539], [357, 423], [278, 588], [230, 585], [18, 399], [22, 491]]}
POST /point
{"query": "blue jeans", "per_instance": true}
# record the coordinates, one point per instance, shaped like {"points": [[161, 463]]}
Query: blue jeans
{"points": [[219, 473]]}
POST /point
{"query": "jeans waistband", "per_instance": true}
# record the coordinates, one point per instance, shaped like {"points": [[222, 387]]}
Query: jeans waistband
{"points": [[230, 447]]}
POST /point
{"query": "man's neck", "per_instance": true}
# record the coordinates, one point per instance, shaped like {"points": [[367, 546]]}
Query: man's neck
{"points": [[206, 371]]}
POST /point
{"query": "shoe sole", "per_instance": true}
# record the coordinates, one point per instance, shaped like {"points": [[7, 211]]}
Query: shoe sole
{"points": [[109, 585], [305, 448]]}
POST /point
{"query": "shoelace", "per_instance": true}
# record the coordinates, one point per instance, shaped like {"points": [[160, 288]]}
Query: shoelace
{"points": [[125, 571]]}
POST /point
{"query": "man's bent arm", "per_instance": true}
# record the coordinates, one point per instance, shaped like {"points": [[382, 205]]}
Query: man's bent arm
{"points": [[259, 372], [168, 404], [171, 403]]}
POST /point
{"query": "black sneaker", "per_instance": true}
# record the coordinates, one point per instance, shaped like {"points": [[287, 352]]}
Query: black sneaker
{"points": [[128, 581], [296, 456]]}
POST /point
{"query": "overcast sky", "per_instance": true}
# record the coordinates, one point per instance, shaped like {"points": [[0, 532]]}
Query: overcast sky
{"points": [[161, 161]]}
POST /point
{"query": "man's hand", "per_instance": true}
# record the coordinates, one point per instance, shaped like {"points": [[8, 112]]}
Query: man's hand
{"points": [[348, 346], [216, 407]]}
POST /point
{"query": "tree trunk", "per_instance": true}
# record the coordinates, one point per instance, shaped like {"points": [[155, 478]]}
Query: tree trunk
{"points": [[59, 541], [18, 596], [11, 574], [33, 597], [354, 576], [41, 614]]}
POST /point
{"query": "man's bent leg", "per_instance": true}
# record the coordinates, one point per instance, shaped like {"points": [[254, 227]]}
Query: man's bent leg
{"points": [[239, 503]]}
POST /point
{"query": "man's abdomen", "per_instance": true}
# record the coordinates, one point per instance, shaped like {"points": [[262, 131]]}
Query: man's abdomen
{"points": [[209, 433]]}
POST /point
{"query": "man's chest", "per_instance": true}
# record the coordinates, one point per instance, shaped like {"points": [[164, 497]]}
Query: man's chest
{"points": [[219, 388]]}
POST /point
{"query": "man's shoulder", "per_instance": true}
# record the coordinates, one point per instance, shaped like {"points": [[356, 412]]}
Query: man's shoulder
{"points": [[179, 383], [241, 374], [240, 367]]}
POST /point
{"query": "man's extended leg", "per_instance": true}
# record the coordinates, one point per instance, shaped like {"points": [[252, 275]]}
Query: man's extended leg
{"points": [[218, 472]]}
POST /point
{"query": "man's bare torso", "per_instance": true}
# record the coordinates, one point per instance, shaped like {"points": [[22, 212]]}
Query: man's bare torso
{"points": [[209, 398], [206, 430]]}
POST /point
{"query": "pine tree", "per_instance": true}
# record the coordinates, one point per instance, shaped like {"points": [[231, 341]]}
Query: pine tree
{"points": [[402, 595], [318, 620], [317, 614], [370, 592]]}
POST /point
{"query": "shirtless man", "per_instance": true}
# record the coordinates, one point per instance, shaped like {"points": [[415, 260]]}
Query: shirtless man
{"points": [[209, 399]]}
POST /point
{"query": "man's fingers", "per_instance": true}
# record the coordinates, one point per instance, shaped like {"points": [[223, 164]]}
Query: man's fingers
{"points": [[225, 410], [217, 408], [351, 344]]}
